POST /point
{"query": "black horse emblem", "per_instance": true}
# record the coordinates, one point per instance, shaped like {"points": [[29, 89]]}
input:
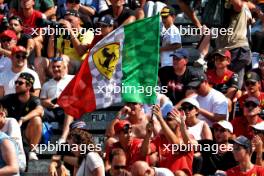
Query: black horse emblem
{"points": [[109, 57]]}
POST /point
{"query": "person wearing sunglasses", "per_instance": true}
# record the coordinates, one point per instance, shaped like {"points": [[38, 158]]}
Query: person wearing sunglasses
{"points": [[252, 86], [242, 150], [27, 110], [19, 65], [258, 144], [251, 111], [260, 70]]}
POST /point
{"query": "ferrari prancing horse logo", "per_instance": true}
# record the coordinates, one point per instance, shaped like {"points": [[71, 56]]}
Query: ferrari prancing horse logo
{"points": [[106, 59]]}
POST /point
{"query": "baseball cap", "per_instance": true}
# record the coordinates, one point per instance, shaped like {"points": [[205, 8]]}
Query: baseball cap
{"points": [[259, 126], [242, 140], [192, 101], [197, 78], [9, 33], [72, 12], [106, 20], [252, 76], [166, 11], [165, 109], [17, 49], [29, 79], [223, 52], [79, 124], [180, 53], [253, 100], [122, 125], [225, 124]]}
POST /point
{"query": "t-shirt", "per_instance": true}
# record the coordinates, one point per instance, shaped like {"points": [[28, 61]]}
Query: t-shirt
{"points": [[256, 171], [91, 162], [5, 63], [167, 75], [16, 109], [168, 36], [8, 79], [214, 102], [162, 172], [23, 40], [222, 84]]}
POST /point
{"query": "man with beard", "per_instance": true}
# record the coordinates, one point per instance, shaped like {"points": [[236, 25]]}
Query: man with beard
{"points": [[27, 110]]}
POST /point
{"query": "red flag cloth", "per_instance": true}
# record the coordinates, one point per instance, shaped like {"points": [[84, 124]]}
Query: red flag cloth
{"points": [[78, 96]]}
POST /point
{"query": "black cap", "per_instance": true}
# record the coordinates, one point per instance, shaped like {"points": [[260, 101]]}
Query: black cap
{"points": [[243, 141], [253, 100], [166, 11], [72, 12], [106, 20], [197, 78], [252, 76]]}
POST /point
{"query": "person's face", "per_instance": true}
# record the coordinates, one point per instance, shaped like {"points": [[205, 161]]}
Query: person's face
{"points": [[118, 165], [167, 20], [189, 110], [179, 63], [221, 62], [260, 133], [105, 29], [58, 69], [8, 43], [15, 25], [27, 4], [19, 60], [252, 86], [172, 123], [73, 5], [74, 147], [125, 135], [250, 109], [135, 109], [21, 86], [200, 89], [239, 152], [117, 3], [221, 134], [75, 21]]}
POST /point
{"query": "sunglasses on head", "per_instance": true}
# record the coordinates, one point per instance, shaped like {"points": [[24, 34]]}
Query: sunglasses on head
{"points": [[20, 83], [117, 167], [6, 39], [250, 83], [19, 56], [250, 104]]}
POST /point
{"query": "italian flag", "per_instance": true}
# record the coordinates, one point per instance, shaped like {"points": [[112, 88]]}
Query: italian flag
{"points": [[121, 67]]}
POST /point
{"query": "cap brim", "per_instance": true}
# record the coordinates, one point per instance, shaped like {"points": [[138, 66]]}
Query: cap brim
{"points": [[165, 14], [194, 84]]}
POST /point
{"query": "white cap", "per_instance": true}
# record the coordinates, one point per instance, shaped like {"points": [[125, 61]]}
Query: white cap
{"points": [[225, 124], [192, 100], [259, 126]]}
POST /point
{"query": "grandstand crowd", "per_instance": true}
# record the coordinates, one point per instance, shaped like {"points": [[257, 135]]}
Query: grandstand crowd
{"points": [[209, 121]]}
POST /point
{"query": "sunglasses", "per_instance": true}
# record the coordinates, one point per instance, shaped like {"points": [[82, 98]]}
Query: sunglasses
{"points": [[187, 107], [117, 167], [73, 1], [20, 83], [250, 83], [6, 40], [250, 104], [222, 130], [18, 56]]}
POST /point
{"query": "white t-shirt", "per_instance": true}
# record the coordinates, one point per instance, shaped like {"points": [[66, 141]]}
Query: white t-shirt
{"points": [[92, 161], [52, 88], [197, 130], [8, 79], [214, 102], [5, 63], [162, 172], [168, 36]]}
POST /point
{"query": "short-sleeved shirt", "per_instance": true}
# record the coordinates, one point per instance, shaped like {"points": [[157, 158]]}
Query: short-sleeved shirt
{"points": [[23, 40], [167, 75], [241, 127], [168, 36], [256, 171], [8, 79], [125, 14], [18, 109], [65, 46], [214, 102], [52, 89], [222, 84]]}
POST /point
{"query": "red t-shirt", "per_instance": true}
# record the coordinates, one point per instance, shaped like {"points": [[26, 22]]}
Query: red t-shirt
{"points": [[255, 171], [241, 127], [180, 160], [30, 22], [260, 98]]}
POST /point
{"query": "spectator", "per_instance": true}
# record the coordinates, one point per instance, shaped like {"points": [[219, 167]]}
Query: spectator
{"points": [[121, 14], [242, 152], [177, 77], [75, 44], [8, 159], [51, 90], [257, 144], [251, 110], [223, 158], [106, 24], [27, 110], [11, 127], [19, 65], [260, 71], [213, 104], [141, 168], [198, 128], [170, 36]]}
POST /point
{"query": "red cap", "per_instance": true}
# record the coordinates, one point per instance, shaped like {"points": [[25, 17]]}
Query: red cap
{"points": [[17, 49], [9, 33], [120, 125]]}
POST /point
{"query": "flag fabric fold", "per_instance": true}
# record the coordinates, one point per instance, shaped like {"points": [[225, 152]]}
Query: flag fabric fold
{"points": [[122, 67]]}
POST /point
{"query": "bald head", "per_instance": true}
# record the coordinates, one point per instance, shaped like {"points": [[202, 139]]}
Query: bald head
{"points": [[141, 168]]}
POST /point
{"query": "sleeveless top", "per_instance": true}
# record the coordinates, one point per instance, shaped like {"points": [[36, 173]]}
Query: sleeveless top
{"points": [[196, 130]]}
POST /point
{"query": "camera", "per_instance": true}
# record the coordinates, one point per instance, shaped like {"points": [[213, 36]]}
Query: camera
{"points": [[45, 23]]}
